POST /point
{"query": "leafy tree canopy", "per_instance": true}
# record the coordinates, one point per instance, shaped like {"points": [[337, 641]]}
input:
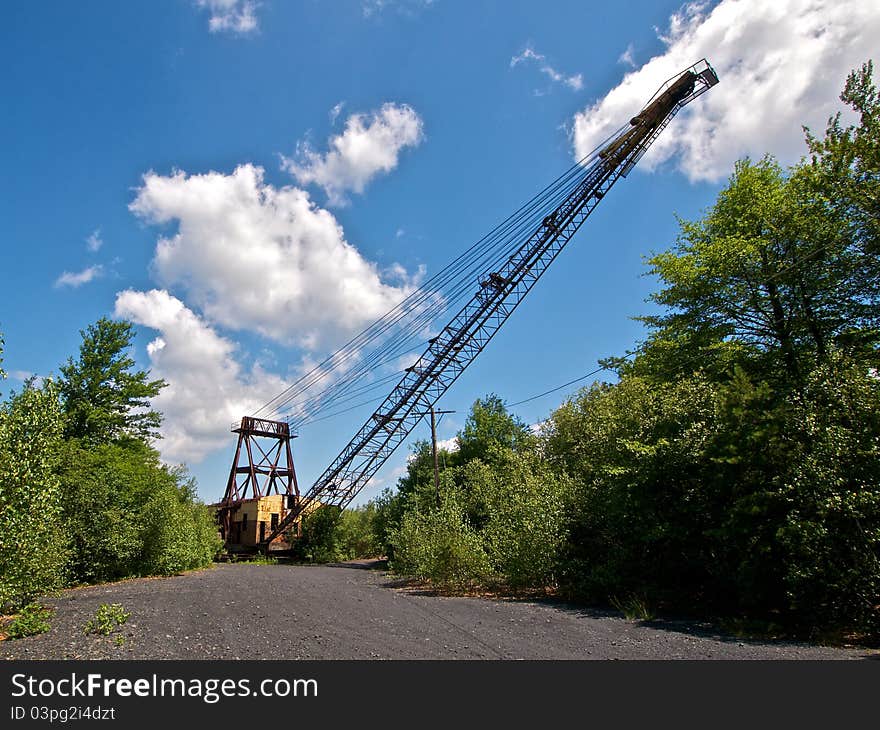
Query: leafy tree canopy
{"points": [[489, 426], [104, 397]]}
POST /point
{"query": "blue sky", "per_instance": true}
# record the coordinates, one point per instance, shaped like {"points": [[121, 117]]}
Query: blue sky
{"points": [[378, 138]]}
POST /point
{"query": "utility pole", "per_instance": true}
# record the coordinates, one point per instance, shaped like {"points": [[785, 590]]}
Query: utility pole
{"points": [[434, 449]]}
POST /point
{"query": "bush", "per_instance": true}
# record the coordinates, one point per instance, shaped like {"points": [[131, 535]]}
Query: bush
{"points": [[524, 511], [440, 546], [356, 538], [32, 619], [643, 506], [107, 619], [129, 515], [830, 538], [319, 538], [33, 548]]}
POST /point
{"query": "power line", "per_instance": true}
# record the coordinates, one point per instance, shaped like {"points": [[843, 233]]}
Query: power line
{"points": [[558, 387]]}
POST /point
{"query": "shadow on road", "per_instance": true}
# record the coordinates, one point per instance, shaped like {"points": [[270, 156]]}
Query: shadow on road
{"points": [[695, 628], [372, 564]]}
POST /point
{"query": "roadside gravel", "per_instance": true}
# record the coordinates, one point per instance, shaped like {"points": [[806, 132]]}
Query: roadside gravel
{"points": [[245, 611]]}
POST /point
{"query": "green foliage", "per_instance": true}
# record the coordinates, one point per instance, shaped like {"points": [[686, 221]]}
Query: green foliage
{"points": [[108, 618], [489, 433], [830, 536], [99, 505], [846, 162], [33, 548], [489, 427], [390, 507], [641, 505], [331, 535], [635, 608], [32, 619], [127, 514], [104, 399], [356, 538], [524, 519], [319, 541], [439, 545]]}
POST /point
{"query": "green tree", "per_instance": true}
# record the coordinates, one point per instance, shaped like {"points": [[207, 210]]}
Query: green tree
{"points": [[830, 537], [644, 499], [356, 536], [127, 514], [846, 161], [104, 398], [769, 275], [490, 426], [319, 541]]}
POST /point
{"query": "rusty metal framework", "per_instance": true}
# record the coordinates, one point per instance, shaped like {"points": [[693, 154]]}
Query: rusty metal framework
{"points": [[262, 465], [499, 293]]}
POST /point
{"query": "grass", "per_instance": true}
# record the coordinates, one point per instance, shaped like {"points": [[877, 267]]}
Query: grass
{"points": [[635, 608], [256, 559], [107, 619]]}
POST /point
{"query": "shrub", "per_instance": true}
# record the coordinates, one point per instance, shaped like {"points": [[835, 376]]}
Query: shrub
{"points": [[107, 619], [33, 548], [32, 619], [127, 514], [440, 546], [356, 538], [830, 539]]}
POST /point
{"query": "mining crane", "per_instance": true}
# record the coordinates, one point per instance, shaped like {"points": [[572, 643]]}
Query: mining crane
{"points": [[446, 356]]}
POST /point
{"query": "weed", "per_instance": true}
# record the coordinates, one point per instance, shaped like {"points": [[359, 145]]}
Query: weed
{"points": [[119, 640], [33, 619], [107, 618], [635, 608]]}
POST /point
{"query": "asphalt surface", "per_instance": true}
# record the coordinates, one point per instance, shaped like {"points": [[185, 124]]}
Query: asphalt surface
{"points": [[244, 611]]}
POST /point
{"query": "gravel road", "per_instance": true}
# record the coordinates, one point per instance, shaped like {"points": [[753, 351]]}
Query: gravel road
{"points": [[242, 611]]}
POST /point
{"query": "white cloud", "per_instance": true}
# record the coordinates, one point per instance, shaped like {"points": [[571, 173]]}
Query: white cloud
{"points": [[781, 65], [627, 58], [450, 444], [252, 256], [207, 389], [24, 376], [94, 241], [336, 111], [78, 278], [407, 7], [575, 82], [231, 16], [369, 145]]}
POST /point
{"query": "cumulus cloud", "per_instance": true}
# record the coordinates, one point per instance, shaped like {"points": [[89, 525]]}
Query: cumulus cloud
{"points": [[574, 82], [450, 444], [231, 16], [781, 65], [76, 279], [207, 388], [251, 256], [94, 241], [369, 145]]}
